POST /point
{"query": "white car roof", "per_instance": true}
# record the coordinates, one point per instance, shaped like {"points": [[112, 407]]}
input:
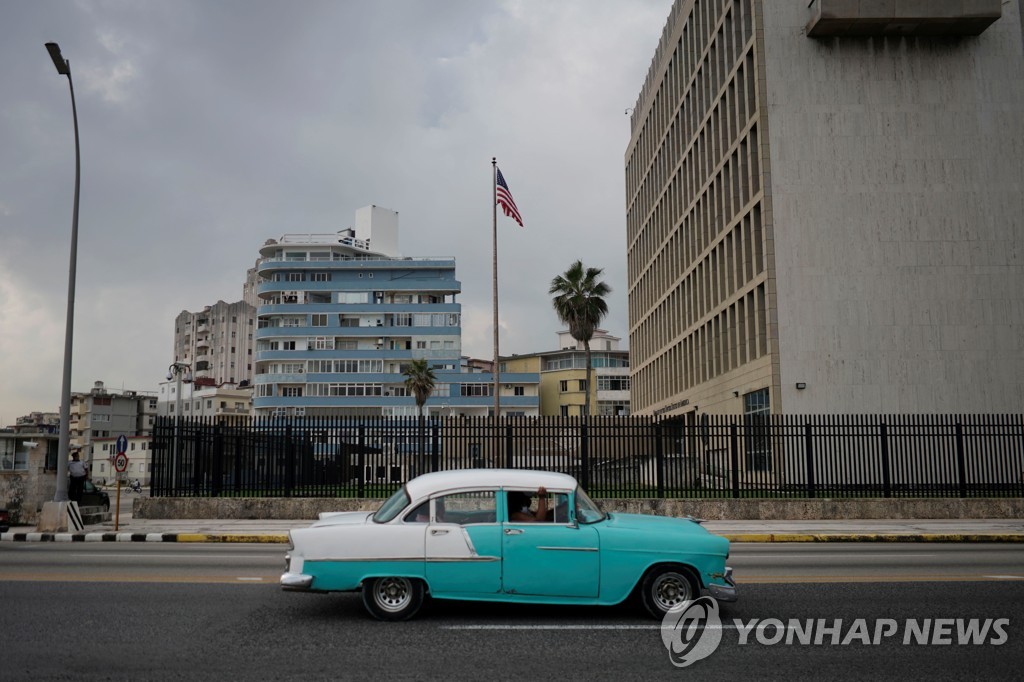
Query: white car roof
{"points": [[427, 484]]}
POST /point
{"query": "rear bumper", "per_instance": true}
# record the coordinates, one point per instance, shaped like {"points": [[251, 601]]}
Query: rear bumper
{"points": [[725, 592], [296, 581]]}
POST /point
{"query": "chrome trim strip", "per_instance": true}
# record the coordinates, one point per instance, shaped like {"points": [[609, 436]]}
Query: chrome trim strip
{"points": [[408, 560], [456, 560], [365, 559], [571, 549]]}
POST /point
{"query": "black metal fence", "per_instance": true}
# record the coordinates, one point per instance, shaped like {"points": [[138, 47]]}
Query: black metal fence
{"points": [[713, 456]]}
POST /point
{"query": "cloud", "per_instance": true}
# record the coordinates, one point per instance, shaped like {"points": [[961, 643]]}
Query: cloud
{"points": [[207, 128]]}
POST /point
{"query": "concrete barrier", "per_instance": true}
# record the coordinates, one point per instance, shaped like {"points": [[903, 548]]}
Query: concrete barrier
{"points": [[718, 509]]}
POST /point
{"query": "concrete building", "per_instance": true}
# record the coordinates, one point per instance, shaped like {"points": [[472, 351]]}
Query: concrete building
{"points": [[28, 473], [217, 342], [341, 316], [199, 401], [140, 460], [563, 377], [825, 209], [102, 414]]}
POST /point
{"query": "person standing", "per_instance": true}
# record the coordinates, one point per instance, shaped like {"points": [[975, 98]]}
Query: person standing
{"points": [[78, 473]]}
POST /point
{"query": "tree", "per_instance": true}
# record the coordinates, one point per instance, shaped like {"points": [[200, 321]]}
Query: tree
{"points": [[579, 303], [419, 379]]}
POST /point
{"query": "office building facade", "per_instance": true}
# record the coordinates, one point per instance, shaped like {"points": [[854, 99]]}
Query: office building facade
{"points": [[825, 209]]}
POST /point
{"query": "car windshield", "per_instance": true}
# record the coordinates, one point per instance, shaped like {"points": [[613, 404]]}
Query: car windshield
{"points": [[587, 510], [392, 506]]}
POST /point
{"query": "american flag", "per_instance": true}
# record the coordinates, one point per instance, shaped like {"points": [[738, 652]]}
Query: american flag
{"points": [[506, 201]]}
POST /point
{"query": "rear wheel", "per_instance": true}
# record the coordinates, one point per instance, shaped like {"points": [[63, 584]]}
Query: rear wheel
{"points": [[665, 588], [393, 598]]}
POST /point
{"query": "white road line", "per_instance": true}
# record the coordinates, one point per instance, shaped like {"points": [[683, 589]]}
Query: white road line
{"points": [[550, 627], [1005, 577], [254, 579], [801, 557], [184, 557]]}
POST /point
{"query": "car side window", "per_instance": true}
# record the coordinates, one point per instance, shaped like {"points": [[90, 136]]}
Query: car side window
{"points": [[466, 508], [421, 514], [558, 508]]}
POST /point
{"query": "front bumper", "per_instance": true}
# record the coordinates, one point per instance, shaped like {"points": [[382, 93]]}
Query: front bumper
{"points": [[725, 592], [296, 581]]}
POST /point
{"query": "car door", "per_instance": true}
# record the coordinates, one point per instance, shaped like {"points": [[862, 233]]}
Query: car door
{"points": [[550, 559], [463, 544]]}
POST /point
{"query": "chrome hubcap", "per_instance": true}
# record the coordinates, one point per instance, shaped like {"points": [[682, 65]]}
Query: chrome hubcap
{"points": [[671, 590], [392, 594]]}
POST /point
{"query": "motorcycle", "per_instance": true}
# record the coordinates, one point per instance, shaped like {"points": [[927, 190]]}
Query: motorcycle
{"points": [[133, 486]]}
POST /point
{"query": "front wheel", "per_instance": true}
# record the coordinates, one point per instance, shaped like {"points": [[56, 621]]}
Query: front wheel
{"points": [[666, 588], [393, 598]]}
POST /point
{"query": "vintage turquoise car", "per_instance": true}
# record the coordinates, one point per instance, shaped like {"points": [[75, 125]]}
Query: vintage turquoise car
{"points": [[505, 535]]}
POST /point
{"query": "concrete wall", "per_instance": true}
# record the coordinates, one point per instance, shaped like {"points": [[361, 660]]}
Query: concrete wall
{"points": [[309, 508], [897, 185]]}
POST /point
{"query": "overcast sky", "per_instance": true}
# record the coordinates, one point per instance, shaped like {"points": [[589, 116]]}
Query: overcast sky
{"points": [[209, 126]]}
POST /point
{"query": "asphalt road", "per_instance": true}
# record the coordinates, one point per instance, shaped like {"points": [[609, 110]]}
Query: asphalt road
{"points": [[119, 611]]}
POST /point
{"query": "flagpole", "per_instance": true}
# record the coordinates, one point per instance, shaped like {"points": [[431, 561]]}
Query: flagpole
{"points": [[494, 270]]}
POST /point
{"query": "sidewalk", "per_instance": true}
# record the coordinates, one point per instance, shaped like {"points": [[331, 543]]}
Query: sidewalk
{"points": [[276, 531]]}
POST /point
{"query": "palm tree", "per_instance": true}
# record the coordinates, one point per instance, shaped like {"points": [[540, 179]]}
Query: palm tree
{"points": [[579, 303], [419, 379]]}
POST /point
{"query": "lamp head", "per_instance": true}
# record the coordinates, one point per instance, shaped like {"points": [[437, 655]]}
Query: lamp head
{"points": [[58, 59], [170, 375]]}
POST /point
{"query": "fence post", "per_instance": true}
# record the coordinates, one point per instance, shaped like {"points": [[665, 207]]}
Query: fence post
{"points": [[734, 457], [509, 464], [585, 455], [289, 460], [218, 460], [361, 461], [886, 475], [434, 443], [809, 449], [961, 465], [659, 459]]}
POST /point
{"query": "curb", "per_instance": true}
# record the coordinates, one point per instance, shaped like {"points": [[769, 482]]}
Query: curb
{"points": [[282, 538]]}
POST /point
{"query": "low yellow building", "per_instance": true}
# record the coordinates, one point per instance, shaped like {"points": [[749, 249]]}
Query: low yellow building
{"points": [[563, 379]]}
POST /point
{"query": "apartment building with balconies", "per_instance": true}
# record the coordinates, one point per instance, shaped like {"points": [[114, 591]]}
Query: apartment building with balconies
{"points": [[340, 317], [217, 343]]}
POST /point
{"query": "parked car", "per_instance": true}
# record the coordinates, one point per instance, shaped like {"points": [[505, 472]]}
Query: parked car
{"points": [[5, 521], [449, 535], [94, 497]]}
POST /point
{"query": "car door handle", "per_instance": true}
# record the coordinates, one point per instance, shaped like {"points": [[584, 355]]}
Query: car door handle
{"points": [[513, 531], [439, 531]]}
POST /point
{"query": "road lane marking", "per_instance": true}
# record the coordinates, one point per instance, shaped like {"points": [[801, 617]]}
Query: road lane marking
{"points": [[171, 555], [1005, 577], [806, 557], [77, 578], [555, 627]]}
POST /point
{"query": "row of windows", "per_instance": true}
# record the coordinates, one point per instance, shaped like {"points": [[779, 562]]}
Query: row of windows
{"points": [[734, 264], [735, 336], [339, 343], [343, 320], [694, 74], [681, 232], [612, 383], [112, 447], [579, 361]]}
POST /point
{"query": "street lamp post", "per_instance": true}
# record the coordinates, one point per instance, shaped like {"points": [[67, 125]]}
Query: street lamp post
{"points": [[61, 495], [176, 371]]}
